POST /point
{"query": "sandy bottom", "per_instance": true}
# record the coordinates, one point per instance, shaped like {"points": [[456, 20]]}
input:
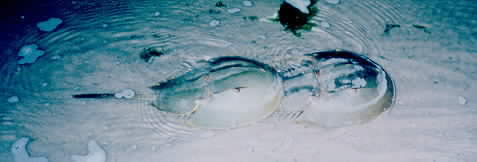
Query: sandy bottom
{"points": [[96, 48]]}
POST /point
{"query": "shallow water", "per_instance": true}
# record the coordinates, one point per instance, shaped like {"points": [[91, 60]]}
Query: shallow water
{"points": [[97, 48]]}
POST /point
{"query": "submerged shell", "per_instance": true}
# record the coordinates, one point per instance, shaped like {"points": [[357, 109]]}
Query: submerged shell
{"points": [[226, 92]]}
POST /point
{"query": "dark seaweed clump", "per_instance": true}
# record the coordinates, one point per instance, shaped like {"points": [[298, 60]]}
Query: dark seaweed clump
{"points": [[220, 4], [293, 20]]}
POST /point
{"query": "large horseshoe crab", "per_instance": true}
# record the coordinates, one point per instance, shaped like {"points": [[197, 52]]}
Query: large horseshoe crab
{"points": [[225, 92]]}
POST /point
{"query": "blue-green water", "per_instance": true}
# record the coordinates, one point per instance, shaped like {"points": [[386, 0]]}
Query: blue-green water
{"points": [[96, 49]]}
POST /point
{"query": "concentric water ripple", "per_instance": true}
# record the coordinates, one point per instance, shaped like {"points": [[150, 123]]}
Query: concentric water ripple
{"points": [[120, 30]]}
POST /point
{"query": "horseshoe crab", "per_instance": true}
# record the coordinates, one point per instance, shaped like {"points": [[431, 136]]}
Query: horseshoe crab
{"points": [[341, 88], [336, 88], [225, 92]]}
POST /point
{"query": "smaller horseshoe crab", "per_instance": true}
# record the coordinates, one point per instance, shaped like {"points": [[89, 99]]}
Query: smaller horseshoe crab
{"points": [[342, 88]]}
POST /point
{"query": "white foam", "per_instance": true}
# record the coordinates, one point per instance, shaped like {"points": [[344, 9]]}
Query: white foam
{"points": [[214, 23], [95, 154], [30, 54], [13, 99], [49, 25], [20, 153], [300, 5], [233, 10], [125, 93], [247, 3]]}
